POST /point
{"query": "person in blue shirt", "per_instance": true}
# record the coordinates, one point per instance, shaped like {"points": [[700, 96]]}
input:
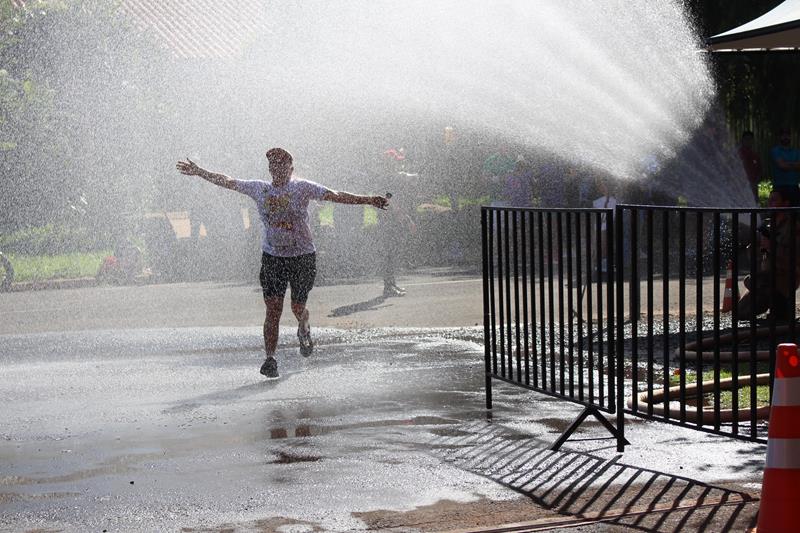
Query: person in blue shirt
{"points": [[785, 161]]}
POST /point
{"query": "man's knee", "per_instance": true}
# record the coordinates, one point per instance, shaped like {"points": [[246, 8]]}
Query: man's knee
{"points": [[274, 307], [299, 309]]}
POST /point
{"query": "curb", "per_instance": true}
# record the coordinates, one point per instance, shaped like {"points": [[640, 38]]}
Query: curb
{"points": [[42, 285]]}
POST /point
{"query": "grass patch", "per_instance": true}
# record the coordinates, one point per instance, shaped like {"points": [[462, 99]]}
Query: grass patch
{"points": [[64, 266], [53, 240], [726, 397]]}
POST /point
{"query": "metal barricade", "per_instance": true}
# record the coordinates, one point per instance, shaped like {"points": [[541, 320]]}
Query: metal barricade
{"points": [[549, 314], [640, 320], [697, 357]]}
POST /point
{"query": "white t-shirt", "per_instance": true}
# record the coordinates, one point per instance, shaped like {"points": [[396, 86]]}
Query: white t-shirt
{"points": [[604, 202], [284, 214]]}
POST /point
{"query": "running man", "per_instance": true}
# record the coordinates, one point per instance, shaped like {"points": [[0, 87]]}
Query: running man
{"points": [[288, 256]]}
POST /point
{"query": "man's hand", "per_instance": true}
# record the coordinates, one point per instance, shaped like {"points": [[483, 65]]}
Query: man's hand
{"points": [[188, 167], [379, 201]]}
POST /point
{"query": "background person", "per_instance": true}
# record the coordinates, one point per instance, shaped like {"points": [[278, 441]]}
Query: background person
{"points": [[517, 188], [496, 168], [288, 253], [779, 230], [396, 224], [751, 162], [605, 201], [785, 161]]}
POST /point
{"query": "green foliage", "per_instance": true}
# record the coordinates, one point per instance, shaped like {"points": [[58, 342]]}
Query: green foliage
{"points": [[64, 266], [53, 240], [81, 90], [757, 90], [443, 201], [474, 202], [463, 203], [764, 190], [23, 103]]}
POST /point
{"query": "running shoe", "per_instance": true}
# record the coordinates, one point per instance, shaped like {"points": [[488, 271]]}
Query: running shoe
{"points": [[270, 368], [390, 291], [304, 336]]}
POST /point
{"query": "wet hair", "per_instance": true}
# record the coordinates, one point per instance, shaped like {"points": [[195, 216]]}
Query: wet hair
{"points": [[278, 156]]}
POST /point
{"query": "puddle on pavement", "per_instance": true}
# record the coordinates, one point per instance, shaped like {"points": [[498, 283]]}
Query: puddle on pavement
{"points": [[450, 432], [288, 458], [276, 524], [115, 466], [304, 430], [8, 497]]}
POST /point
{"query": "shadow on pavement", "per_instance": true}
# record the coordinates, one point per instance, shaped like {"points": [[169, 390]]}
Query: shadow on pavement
{"points": [[589, 489], [225, 396], [368, 305]]}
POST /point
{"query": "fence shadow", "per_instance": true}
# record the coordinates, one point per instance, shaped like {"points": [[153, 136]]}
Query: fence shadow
{"points": [[588, 488]]}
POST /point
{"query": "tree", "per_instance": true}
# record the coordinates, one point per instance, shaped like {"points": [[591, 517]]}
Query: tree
{"points": [[81, 93], [757, 90]]}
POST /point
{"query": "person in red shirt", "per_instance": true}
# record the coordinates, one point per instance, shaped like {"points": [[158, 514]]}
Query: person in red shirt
{"points": [[776, 283]]}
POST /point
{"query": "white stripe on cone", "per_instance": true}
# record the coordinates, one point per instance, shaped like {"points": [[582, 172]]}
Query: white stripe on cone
{"points": [[786, 392], [783, 453]]}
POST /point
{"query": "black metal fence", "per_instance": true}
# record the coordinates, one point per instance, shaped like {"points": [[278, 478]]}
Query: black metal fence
{"points": [[694, 355], [635, 310], [549, 306]]}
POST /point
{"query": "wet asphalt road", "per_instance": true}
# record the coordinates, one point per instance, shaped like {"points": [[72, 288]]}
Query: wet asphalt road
{"points": [[164, 429], [161, 428]]}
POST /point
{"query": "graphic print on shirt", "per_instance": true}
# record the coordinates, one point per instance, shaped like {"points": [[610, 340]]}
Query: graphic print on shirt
{"points": [[278, 212]]}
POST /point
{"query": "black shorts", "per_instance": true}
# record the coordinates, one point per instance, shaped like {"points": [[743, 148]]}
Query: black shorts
{"points": [[298, 272]]}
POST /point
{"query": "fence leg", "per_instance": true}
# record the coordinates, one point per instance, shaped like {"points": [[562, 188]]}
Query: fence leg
{"points": [[488, 391], [578, 421]]}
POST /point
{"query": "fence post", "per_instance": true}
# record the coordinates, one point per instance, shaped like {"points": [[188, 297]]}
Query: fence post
{"points": [[618, 274], [486, 318]]}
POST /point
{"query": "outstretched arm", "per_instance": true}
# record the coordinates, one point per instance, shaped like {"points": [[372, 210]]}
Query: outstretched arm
{"points": [[347, 198], [190, 168]]}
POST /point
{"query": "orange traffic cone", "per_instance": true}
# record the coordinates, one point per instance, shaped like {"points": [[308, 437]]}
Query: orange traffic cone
{"points": [[727, 301], [778, 510]]}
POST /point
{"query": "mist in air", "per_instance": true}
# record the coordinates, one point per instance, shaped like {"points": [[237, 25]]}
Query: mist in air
{"points": [[579, 90]]}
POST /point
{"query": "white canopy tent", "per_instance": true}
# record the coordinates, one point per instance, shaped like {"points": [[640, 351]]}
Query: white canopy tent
{"points": [[778, 29]]}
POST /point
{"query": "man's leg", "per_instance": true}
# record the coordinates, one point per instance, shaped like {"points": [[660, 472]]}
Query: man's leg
{"points": [[301, 280], [391, 247], [274, 306], [303, 328], [271, 322], [301, 314], [273, 284]]}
